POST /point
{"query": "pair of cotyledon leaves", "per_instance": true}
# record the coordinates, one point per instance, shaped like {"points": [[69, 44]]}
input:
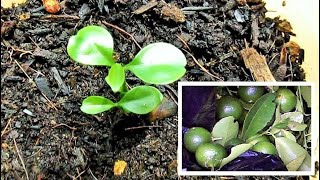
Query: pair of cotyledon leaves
{"points": [[157, 63]]}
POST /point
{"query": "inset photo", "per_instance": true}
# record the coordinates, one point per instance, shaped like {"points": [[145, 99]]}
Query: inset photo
{"points": [[242, 128]]}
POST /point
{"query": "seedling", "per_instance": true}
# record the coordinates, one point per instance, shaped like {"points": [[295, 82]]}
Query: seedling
{"points": [[157, 63]]}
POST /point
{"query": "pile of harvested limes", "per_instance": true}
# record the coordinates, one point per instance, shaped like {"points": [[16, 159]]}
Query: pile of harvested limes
{"points": [[269, 120]]}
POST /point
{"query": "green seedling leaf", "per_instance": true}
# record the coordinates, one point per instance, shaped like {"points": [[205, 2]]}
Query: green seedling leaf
{"points": [[158, 63], [294, 126], [293, 116], [96, 104], [141, 99], [92, 45], [306, 164], [259, 116], [236, 151], [289, 151], [306, 94], [116, 77], [226, 128]]}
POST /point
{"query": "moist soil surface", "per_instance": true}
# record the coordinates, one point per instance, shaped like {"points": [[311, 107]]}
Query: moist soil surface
{"points": [[44, 135]]}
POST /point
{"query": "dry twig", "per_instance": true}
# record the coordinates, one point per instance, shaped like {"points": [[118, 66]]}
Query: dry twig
{"points": [[61, 16], [141, 127], [121, 30], [184, 42], [62, 124], [21, 159], [174, 100], [202, 68], [94, 177], [5, 128]]}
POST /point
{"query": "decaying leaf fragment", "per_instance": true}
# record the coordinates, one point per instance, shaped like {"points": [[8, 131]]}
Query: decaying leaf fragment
{"points": [[283, 25], [294, 48], [291, 48], [257, 65], [119, 167], [166, 108], [7, 26], [172, 12], [242, 2]]}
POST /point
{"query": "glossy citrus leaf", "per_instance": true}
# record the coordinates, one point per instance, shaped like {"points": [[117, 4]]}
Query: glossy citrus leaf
{"points": [[296, 163], [294, 126], [92, 45], [281, 125], [277, 115], [293, 116], [306, 94], [236, 151], [141, 99], [96, 104], [116, 77], [306, 164], [299, 105], [287, 134], [158, 63], [226, 128], [259, 115], [289, 151]]}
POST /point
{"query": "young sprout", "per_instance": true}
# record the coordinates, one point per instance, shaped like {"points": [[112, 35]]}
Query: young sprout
{"points": [[157, 63]]}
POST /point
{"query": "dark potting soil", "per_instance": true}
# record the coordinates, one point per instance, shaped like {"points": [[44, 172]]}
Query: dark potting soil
{"points": [[43, 132]]}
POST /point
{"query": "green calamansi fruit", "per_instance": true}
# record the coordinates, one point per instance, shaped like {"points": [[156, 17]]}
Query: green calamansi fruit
{"points": [[234, 142], [265, 147], [209, 155], [286, 99], [258, 138], [194, 137], [250, 94], [229, 106]]}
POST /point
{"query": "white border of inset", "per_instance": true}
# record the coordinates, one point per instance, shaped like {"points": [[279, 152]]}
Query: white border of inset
{"points": [[244, 173]]}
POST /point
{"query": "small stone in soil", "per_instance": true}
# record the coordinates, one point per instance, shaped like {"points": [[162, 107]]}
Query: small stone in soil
{"points": [[17, 124], [43, 86]]}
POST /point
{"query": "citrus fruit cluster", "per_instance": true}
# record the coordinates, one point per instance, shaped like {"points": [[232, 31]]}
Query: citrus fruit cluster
{"points": [[232, 106], [209, 154]]}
